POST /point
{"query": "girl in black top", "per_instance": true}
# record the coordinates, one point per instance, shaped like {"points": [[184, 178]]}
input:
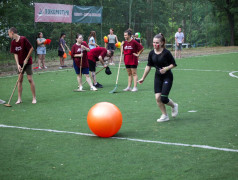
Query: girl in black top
{"points": [[163, 61]]}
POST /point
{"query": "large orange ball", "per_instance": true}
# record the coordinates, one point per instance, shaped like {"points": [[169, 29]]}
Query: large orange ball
{"points": [[104, 119]]}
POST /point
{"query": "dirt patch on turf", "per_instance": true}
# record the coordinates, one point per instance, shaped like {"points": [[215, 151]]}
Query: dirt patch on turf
{"points": [[10, 69]]}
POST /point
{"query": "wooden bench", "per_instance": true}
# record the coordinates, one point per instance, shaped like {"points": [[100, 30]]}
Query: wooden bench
{"points": [[186, 45]]}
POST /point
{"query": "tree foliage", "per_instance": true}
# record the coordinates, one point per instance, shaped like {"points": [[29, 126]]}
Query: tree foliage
{"points": [[209, 23]]}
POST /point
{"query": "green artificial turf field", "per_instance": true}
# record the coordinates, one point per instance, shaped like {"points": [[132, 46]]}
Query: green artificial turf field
{"points": [[139, 150]]}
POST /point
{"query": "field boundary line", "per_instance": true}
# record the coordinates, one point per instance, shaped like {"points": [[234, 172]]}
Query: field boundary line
{"points": [[232, 75], [124, 67], [205, 70], [122, 138]]}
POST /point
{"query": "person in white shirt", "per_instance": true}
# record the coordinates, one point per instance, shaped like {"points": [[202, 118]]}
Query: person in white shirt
{"points": [[179, 39]]}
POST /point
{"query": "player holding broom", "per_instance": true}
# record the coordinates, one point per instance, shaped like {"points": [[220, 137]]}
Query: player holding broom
{"points": [[80, 61], [163, 61], [22, 50]]}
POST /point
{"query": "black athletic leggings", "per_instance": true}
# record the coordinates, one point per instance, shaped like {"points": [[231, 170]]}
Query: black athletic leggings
{"points": [[163, 84]]}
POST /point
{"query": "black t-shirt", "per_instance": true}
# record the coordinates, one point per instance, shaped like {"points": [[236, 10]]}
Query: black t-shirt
{"points": [[165, 58]]}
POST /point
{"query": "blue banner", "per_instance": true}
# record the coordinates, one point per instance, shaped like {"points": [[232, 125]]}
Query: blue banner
{"points": [[87, 14]]}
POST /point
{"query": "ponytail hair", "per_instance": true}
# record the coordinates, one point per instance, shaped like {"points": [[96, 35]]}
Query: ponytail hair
{"points": [[161, 37], [129, 32]]}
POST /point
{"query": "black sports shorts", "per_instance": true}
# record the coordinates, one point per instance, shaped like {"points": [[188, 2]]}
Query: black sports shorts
{"points": [[163, 83], [111, 46], [60, 53], [131, 66], [92, 66]]}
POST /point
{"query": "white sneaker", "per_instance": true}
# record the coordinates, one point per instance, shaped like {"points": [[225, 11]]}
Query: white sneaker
{"points": [[127, 89], [45, 67], [60, 67], [93, 88], [39, 67], [134, 89], [81, 88], [175, 110], [163, 118]]}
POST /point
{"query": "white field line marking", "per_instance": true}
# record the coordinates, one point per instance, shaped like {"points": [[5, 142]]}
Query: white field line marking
{"points": [[121, 138], [232, 75], [202, 70], [39, 72], [139, 68], [209, 55]]}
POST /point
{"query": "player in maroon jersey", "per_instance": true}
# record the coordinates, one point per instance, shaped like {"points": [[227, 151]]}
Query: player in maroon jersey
{"points": [[97, 54], [22, 50], [79, 52], [132, 50]]}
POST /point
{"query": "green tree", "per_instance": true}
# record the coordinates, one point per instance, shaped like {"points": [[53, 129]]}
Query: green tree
{"points": [[228, 8]]}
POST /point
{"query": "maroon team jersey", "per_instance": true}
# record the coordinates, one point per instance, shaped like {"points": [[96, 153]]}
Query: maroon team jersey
{"points": [[76, 49], [129, 48], [94, 53], [21, 48]]}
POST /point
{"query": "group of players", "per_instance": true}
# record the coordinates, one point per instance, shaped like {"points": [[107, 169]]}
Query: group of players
{"points": [[84, 60]]}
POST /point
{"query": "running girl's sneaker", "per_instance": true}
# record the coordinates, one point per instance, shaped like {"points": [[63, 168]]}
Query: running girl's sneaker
{"points": [[93, 88], [163, 118], [127, 89], [175, 110], [39, 67], [45, 67]]}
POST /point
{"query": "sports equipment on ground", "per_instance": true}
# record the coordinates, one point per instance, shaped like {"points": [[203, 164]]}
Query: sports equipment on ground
{"points": [[114, 90], [104, 119], [95, 74], [8, 104]]}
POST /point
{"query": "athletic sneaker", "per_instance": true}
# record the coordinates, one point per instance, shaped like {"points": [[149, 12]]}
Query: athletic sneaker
{"points": [[98, 85], [39, 67], [93, 88], [175, 110], [163, 118], [45, 67], [134, 89], [127, 89], [60, 67], [81, 88]]}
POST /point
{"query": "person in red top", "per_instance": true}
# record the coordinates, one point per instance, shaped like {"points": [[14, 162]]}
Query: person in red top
{"points": [[132, 50], [79, 52], [97, 54], [22, 50]]}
